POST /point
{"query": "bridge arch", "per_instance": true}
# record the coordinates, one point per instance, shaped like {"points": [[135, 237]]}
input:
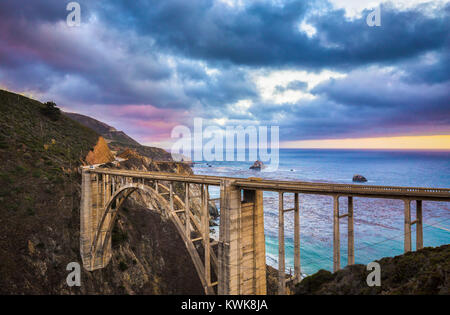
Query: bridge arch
{"points": [[101, 245], [238, 258]]}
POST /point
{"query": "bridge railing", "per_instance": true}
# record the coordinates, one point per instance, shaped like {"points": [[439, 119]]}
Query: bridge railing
{"points": [[293, 186]]}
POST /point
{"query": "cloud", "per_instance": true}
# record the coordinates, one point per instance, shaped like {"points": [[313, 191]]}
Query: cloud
{"points": [[308, 66], [266, 34]]}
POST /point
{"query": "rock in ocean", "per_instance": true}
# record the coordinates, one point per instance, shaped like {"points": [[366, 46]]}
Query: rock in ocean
{"points": [[258, 165], [359, 178]]}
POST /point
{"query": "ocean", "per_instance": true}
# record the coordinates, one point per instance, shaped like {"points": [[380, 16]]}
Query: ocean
{"points": [[378, 223]]}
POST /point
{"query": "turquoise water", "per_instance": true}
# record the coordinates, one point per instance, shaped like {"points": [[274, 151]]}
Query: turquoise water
{"points": [[378, 222]]}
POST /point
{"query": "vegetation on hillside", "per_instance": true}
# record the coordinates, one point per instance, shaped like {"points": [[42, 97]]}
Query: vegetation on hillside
{"points": [[105, 130], [156, 154], [426, 271], [40, 153]]}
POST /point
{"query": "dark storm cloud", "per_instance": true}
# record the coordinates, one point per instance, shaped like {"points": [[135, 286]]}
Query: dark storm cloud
{"points": [[432, 68], [196, 58], [49, 10], [264, 34], [228, 86]]}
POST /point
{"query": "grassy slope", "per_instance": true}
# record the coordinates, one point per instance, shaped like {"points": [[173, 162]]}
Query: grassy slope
{"points": [[103, 129], [39, 215], [39, 158]]}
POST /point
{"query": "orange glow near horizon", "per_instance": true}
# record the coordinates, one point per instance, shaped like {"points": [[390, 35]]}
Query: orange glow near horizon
{"points": [[435, 142]]}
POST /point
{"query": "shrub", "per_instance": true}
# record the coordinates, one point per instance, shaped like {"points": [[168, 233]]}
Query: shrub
{"points": [[51, 111], [123, 266], [118, 236]]}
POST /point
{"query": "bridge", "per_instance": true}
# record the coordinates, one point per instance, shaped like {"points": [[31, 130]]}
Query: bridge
{"points": [[236, 263]]}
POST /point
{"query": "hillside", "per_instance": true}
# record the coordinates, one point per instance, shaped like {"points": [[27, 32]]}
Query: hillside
{"points": [[426, 271], [41, 151], [153, 153], [106, 131], [118, 140]]}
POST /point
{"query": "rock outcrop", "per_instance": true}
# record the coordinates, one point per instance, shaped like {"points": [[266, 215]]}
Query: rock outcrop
{"points": [[359, 178], [258, 165], [100, 153]]}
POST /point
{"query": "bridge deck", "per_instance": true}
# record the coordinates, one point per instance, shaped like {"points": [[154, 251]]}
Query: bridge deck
{"points": [[370, 191]]}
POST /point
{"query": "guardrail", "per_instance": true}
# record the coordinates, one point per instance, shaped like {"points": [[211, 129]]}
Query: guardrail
{"points": [[293, 186]]}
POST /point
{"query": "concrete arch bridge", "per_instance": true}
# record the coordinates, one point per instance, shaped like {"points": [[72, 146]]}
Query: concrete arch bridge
{"points": [[236, 264]]}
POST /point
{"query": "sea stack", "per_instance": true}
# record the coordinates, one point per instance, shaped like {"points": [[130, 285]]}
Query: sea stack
{"points": [[258, 165], [359, 178]]}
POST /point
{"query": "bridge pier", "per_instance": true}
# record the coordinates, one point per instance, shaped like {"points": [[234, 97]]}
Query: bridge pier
{"points": [[95, 188], [351, 233], [408, 223], [206, 239], [419, 225], [407, 227], [337, 236], [281, 249], [242, 254], [297, 267]]}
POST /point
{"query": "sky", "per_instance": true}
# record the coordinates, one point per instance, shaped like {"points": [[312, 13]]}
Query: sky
{"points": [[313, 68]]}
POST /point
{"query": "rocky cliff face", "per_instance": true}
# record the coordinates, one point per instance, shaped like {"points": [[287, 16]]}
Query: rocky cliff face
{"points": [[100, 153], [39, 215]]}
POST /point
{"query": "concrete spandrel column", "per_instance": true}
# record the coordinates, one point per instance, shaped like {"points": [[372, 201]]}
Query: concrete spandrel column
{"points": [[206, 242], [186, 211]]}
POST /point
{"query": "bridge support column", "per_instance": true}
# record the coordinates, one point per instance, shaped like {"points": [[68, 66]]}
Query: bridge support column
{"points": [[206, 240], [336, 236], [419, 225], [351, 233], [88, 183], [186, 212], [297, 268], [95, 188], [407, 243], [242, 257], [105, 256], [281, 251]]}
